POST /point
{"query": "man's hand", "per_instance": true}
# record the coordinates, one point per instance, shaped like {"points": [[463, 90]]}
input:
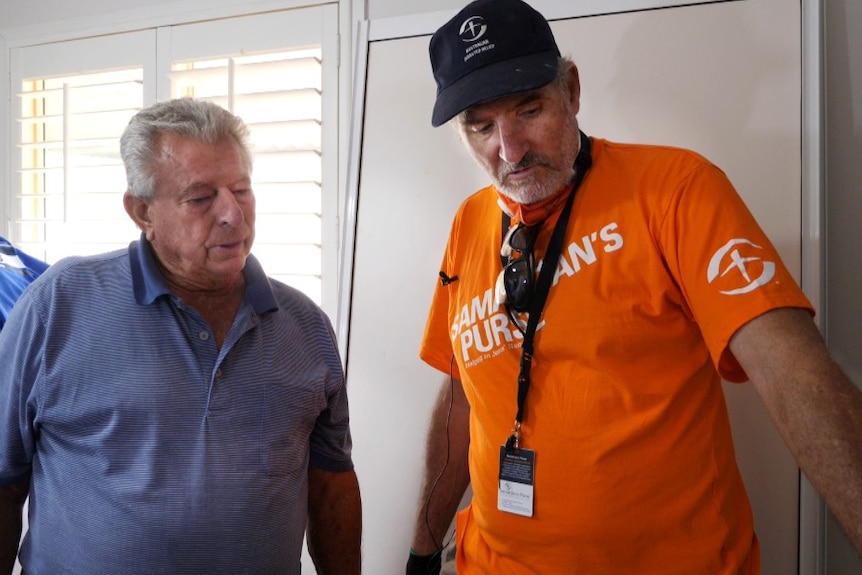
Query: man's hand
{"points": [[423, 564]]}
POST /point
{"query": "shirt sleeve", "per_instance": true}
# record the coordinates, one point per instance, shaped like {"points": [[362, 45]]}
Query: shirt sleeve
{"points": [[331, 441], [436, 346], [727, 268], [20, 355]]}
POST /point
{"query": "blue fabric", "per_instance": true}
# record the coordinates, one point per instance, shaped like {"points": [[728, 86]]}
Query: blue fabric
{"points": [[17, 271], [149, 449]]}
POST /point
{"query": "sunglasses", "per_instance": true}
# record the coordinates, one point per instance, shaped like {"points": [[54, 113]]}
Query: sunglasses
{"points": [[515, 283]]}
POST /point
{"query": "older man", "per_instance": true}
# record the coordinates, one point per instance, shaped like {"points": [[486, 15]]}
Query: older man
{"points": [[169, 408], [621, 283]]}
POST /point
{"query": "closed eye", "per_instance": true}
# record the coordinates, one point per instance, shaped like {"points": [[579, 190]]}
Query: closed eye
{"points": [[531, 111], [201, 200]]}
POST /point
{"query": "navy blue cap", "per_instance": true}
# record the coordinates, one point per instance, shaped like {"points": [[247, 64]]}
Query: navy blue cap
{"points": [[491, 48]]}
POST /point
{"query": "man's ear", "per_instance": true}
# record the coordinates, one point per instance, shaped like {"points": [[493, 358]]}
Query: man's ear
{"points": [[139, 210]]}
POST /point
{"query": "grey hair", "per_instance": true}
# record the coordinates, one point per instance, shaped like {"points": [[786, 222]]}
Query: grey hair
{"points": [[563, 66], [201, 120]]}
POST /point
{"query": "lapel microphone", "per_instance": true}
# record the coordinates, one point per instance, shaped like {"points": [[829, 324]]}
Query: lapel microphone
{"points": [[446, 280]]}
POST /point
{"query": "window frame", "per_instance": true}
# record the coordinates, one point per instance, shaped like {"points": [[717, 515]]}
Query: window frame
{"points": [[336, 86]]}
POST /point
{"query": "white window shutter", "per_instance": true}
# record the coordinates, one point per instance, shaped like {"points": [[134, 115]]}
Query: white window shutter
{"points": [[72, 101], [279, 96], [75, 98]]}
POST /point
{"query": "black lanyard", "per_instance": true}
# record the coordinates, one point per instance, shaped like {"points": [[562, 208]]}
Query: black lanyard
{"points": [[543, 286]]}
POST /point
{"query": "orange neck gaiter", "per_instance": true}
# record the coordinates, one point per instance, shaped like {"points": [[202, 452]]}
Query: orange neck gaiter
{"points": [[535, 213]]}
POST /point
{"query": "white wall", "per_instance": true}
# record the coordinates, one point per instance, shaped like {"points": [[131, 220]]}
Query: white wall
{"points": [[378, 9], [27, 15]]}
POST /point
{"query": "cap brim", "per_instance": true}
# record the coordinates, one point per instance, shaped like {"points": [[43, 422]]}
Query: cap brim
{"points": [[512, 76]]}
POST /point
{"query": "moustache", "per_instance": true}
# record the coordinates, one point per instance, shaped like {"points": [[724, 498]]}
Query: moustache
{"points": [[527, 161]]}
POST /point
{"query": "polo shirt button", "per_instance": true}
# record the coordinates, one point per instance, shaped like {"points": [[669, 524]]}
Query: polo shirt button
{"points": [[204, 335]]}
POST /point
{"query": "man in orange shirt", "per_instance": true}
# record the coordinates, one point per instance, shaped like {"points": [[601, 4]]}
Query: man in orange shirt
{"points": [[591, 302]]}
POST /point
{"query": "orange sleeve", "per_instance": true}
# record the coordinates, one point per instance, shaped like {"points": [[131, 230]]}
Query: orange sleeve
{"points": [[727, 268]]}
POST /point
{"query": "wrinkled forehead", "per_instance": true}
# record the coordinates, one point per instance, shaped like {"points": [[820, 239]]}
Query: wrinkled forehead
{"points": [[477, 112]]}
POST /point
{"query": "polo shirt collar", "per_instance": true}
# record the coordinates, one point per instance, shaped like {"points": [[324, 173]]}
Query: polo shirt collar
{"points": [[148, 283]]}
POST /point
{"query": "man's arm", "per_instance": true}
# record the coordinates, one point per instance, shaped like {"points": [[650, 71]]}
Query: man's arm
{"points": [[334, 532], [12, 499], [815, 407], [446, 469]]}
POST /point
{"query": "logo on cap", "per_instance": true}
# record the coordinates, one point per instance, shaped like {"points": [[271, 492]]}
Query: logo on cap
{"points": [[744, 264], [473, 28]]}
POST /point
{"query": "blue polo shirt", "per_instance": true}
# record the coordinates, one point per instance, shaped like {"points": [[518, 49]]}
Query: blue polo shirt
{"points": [[150, 450], [17, 271]]}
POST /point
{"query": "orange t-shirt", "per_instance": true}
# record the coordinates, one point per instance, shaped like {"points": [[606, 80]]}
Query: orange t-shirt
{"points": [[634, 468]]}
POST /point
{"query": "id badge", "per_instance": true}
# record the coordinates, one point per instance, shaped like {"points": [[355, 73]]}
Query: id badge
{"points": [[515, 490]]}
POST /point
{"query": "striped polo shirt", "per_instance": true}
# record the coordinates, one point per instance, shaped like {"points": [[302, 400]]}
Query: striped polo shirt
{"points": [[151, 450]]}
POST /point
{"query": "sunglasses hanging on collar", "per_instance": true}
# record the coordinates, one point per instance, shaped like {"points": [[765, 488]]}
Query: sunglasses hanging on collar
{"points": [[516, 281]]}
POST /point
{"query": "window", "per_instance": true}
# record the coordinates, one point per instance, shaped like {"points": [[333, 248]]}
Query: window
{"points": [[278, 95], [70, 168], [71, 102], [278, 71]]}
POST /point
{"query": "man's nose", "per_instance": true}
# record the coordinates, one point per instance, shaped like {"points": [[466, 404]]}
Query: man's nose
{"points": [[229, 210], [513, 144]]}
